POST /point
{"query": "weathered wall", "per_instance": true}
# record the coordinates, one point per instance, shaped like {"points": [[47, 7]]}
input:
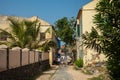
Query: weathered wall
{"points": [[25, 55], [3, 60], [45, 56], [14, 58]]}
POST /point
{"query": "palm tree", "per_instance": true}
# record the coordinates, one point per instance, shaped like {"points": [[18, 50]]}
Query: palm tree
{"points": [[33, 30], [22, 33]]}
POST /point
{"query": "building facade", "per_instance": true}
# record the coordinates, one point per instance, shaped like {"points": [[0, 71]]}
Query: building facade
{"points": [[84, 23], [43, 35]]}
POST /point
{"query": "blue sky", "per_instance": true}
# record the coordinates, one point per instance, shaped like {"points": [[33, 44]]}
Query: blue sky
{"points": [[48, 10]]}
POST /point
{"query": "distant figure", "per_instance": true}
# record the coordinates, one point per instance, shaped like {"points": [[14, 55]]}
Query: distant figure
{"points": [[63, 53], [58, 58], [62, 58], [58, 55]]}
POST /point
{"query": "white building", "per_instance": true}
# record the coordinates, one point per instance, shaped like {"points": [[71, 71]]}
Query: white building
{"points": [[85, 23]]}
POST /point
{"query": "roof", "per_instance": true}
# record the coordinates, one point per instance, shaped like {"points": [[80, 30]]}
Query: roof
{"points": [[89, 6], [40, 20], [4, 23]]}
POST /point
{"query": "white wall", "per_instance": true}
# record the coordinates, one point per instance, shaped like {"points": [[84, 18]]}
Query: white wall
{"points": [[86, 21]]}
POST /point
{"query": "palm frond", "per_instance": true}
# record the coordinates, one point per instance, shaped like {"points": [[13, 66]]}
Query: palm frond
{"points": [[92, 40]]}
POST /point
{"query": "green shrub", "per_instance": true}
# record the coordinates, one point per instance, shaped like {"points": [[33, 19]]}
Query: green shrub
{"points": [[79, 63]]}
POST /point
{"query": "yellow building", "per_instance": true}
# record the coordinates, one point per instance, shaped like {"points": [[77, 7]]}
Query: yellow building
{"points": [[4, 24], [84, 23]]}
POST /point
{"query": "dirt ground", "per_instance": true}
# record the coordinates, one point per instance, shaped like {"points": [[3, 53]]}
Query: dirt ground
{"points": [[75, 74]]}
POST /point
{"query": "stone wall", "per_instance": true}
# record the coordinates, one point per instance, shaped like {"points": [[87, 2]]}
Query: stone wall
{"points": [[25, 72]]}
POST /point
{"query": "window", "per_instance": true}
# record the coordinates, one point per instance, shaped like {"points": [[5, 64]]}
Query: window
{"points": [[78, 30], [3, 37], [42, 36]]}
